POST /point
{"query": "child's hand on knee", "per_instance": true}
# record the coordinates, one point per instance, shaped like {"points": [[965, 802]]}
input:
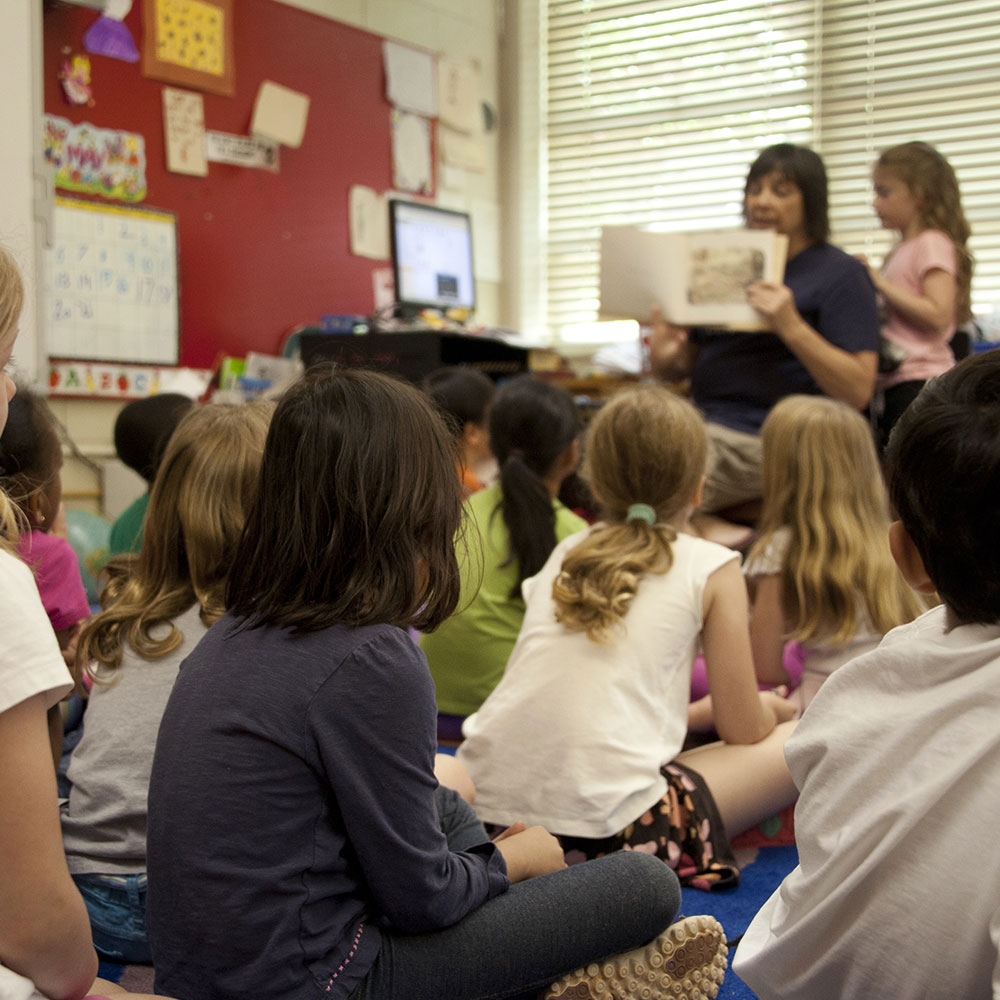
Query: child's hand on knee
{"points": [[529, 852]]}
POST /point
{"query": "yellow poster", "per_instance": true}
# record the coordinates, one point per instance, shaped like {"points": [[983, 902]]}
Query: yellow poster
{"points": [[191, 34]]}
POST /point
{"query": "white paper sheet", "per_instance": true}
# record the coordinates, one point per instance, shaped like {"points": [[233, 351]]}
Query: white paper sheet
{"points": [[369, 214], [184, 131], [411, 152], [459, 94], [280, 114], [410, 80]]}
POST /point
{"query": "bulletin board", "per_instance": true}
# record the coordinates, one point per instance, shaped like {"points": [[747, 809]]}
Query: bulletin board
{"points": [[110, 281], [259, 252]]}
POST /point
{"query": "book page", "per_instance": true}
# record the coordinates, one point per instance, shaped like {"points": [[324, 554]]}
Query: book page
{"points": [[697, 279]]}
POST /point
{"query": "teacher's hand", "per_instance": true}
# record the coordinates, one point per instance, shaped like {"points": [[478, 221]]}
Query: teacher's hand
{"points": [[668, 347], [775, 303]]}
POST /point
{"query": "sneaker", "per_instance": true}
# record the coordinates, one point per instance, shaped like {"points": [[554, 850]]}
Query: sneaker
{"points": [[686, 962]]}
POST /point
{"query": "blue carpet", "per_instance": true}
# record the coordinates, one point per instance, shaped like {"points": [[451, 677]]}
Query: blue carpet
{"points": [[735, 909]]}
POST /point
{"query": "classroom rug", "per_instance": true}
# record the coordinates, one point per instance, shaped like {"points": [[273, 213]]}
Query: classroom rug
{"points": [[761, 872]]}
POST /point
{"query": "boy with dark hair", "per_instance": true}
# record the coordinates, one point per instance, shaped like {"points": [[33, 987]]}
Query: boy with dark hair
{"points": [[898, 758]]}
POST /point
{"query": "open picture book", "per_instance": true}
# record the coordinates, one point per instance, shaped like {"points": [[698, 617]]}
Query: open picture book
{"points": [[697, 279]]}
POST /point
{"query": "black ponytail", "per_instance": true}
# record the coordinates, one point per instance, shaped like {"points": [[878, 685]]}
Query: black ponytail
{"points": [[531, 424]]}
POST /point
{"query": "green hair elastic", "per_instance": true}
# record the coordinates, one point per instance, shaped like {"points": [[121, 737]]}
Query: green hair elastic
{"points": [[641, 512]]}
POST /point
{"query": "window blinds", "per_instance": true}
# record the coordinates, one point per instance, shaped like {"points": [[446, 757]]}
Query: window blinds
{"points": [[653, 112]]}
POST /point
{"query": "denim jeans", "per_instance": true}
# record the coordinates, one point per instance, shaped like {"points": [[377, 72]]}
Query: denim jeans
{"points": [[517, 944], [117, 908]]}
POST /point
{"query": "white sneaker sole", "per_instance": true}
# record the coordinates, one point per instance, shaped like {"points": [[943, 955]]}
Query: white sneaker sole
{"points": [[687, 961]]}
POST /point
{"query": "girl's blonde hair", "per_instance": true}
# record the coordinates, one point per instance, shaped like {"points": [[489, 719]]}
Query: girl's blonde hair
{"points": [[823, 483], [203, 490], [934, 186], [646, 445], [11, 303]]}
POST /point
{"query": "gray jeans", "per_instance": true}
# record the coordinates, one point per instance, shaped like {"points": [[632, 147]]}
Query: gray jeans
{"points": [[517, 944]]}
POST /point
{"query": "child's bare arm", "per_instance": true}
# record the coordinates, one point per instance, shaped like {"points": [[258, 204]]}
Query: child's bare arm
{"points": [[767, 630], [740, 715], [44, 927], [932, 308]]}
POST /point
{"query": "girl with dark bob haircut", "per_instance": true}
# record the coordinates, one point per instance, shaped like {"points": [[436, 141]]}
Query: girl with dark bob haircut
{"points": [[293, 799], [357, 511]]}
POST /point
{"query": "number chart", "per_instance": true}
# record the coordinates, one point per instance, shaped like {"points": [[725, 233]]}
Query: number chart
{"points": [[110, 282]]}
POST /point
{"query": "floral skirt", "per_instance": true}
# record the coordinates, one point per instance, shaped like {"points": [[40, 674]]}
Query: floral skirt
{"points": [[683, 829]]}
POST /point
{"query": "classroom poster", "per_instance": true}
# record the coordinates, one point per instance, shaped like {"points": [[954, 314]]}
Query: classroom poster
{"points": [[184, 131], [106, 162], [411, 152], [110, 284]]}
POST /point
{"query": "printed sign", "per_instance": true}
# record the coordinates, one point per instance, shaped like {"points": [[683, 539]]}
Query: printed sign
{"points": [[100, 161]]}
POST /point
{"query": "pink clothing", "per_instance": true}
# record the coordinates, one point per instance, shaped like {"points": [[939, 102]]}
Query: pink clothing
{"points": [[928, 354], [57, 575]]}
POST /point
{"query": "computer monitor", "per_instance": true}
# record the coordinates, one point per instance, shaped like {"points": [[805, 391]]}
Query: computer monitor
{"points": [[431, 257]]}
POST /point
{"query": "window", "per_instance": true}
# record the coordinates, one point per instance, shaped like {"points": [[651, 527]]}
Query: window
{"points": [[652, 112]]}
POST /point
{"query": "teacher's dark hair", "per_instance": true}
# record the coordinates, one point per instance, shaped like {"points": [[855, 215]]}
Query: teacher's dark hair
{"points": [[356, 512], [805, 170]]}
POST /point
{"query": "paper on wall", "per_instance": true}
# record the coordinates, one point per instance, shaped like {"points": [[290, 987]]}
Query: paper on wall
{"points": [[460, 149], [369, 214], [411, 152], [280, 114], [184, 131], [410, 81], [242, 150], [459, 94]]}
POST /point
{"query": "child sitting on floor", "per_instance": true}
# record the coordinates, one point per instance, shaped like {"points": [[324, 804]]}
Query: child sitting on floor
{"points": [[583, 734], [898, 758], [30, 460], [821, 572], [510, 530], [464, 396], [156, 607]]}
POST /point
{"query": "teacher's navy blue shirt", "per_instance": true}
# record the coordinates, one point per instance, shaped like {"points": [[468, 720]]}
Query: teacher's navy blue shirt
{"points": [[738, 377]]}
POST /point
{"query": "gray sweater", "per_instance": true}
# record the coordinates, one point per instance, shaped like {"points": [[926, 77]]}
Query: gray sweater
{"points": [[104, 822]]}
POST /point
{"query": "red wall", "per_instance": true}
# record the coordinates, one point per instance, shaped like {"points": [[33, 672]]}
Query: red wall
{"points": [[259, 253]]}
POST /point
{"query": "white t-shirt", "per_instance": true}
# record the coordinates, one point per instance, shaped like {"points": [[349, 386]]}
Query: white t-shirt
{"points": [[897, 892], [574, 735], [821, 658], [30, 663]]}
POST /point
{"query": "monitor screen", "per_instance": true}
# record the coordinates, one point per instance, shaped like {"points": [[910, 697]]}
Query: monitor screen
{"points": [[431, 257]]}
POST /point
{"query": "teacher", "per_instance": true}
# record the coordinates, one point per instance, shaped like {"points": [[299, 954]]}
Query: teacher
{"points": [[824, 321]]}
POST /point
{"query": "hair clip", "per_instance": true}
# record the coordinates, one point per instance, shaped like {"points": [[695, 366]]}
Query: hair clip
{"points": [[641, 512]]}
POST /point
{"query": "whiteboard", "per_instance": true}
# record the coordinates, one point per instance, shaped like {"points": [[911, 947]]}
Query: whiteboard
{"points": [[110, 284]]}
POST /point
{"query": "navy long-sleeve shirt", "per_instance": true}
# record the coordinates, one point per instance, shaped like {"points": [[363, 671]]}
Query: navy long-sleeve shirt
{"points": [[291, 814]]}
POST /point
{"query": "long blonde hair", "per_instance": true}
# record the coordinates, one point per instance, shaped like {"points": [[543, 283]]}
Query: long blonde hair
{"points": [[823, 483], [203, 490], [934, 186], [648, 446], [11, 304]]}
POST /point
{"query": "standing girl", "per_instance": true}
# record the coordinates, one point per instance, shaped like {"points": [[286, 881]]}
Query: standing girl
{"points": [[157, 606], [512, 528], [294, 845], [583, 734], [821, 572], [925, 281]]}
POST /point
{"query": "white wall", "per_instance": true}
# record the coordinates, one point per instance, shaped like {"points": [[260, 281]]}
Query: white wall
{"points": [[457, 27]]}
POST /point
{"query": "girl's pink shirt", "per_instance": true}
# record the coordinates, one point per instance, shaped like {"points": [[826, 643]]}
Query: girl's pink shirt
{"points": [[928, 354]]}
